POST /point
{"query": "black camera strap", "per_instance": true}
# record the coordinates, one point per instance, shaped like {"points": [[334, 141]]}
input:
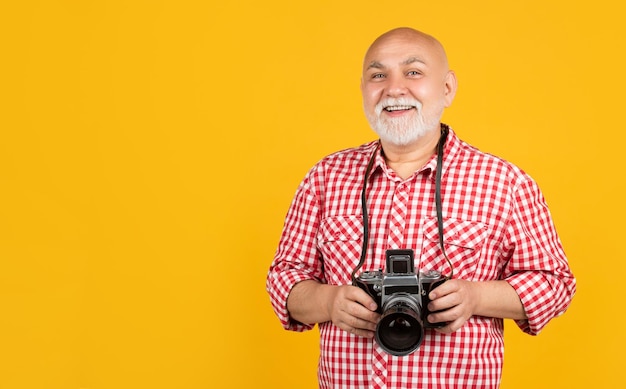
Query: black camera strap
{"points": [[438, 172], [366, 223]]}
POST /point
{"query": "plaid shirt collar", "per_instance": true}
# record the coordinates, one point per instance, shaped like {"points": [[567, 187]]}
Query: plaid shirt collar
{"points": [[451, 148]]}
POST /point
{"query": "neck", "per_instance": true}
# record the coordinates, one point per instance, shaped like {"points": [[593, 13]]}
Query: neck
{"points": [[407, 159]]}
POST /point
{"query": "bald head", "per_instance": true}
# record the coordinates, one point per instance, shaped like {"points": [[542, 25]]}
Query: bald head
{"points": [[428, 47], [406, 86]]}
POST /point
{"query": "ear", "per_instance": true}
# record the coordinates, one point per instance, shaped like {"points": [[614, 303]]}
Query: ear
{"points": [[450, 85]]}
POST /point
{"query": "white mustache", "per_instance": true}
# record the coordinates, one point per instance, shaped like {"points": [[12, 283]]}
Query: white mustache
{"points": [[401, 101]]}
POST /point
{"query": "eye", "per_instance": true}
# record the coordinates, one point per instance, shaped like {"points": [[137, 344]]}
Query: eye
{"points": [[413, 73], [378, 75]]}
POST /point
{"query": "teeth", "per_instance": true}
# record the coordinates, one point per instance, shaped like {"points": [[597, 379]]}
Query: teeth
{"points": [[398, 108]]}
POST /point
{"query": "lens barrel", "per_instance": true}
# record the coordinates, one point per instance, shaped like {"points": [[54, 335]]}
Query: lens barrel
{"points": [[400, 330]]}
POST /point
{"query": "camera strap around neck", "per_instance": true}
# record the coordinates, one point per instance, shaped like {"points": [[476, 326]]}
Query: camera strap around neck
{"points": [[438, 173]]}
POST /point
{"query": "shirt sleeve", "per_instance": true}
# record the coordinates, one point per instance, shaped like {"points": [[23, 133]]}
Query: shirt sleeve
{"points": [[538, 269], [297, 257]]}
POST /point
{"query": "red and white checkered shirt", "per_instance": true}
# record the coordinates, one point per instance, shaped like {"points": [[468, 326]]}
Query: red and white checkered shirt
{"points": [[496, 226]]}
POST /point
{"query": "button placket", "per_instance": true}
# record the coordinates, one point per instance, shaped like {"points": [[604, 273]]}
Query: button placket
{"points": [[397, 218], [379, 368]]}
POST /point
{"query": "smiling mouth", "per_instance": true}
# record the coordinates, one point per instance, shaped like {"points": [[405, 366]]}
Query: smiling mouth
{"points": [[394, 108]]}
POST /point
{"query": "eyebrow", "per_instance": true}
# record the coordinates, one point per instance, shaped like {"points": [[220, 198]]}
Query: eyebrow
{"points": [[411, 60], [408, 61], [376, 65]]}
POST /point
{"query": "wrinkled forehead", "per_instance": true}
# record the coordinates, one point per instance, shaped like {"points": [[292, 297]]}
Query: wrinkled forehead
{"points": [[400, 47]]}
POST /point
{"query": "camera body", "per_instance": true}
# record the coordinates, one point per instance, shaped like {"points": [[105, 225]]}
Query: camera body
{"points": [[402, 298]]}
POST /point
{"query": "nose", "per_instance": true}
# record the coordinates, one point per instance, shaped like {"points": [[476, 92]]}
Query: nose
{"points": [[396, 86]]}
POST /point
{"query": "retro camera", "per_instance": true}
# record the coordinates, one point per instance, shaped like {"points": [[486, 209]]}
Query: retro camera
{"points": [[402, 298]]}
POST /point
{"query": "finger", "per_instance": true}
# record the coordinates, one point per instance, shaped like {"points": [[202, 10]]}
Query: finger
{"points": [[364, 299], [363, 324], [361, 332], [451, 326], [444, 289], [358, 328], [359, 317], [446, 316], [444, 302], [357, 311]]}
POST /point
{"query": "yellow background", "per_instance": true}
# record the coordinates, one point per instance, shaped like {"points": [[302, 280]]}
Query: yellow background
{"points": [[149, 151]]}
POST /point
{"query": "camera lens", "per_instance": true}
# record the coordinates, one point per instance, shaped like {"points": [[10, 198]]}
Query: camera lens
{"points": [[400, 330]]}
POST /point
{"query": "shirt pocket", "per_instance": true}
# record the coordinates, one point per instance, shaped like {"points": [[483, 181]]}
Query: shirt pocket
{"points": [[340, 240], [463, 241]]}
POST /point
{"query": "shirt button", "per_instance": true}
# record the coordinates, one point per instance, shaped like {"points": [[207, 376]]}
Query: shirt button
{"points": [[378, 372]]}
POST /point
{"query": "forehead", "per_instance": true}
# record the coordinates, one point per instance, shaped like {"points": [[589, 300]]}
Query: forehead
{"points": [[403, 50]]}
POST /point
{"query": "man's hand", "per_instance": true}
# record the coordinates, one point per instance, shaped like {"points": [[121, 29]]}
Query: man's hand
{"points": [[460, 299], [457, 301], [348, 307], [353, 310]]}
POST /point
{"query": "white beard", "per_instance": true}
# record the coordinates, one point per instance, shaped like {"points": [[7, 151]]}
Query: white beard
{"points": [[403, 130]]}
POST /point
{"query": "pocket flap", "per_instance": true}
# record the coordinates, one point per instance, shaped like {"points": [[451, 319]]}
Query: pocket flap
{"points": [[461, 233], [341, 228]]}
